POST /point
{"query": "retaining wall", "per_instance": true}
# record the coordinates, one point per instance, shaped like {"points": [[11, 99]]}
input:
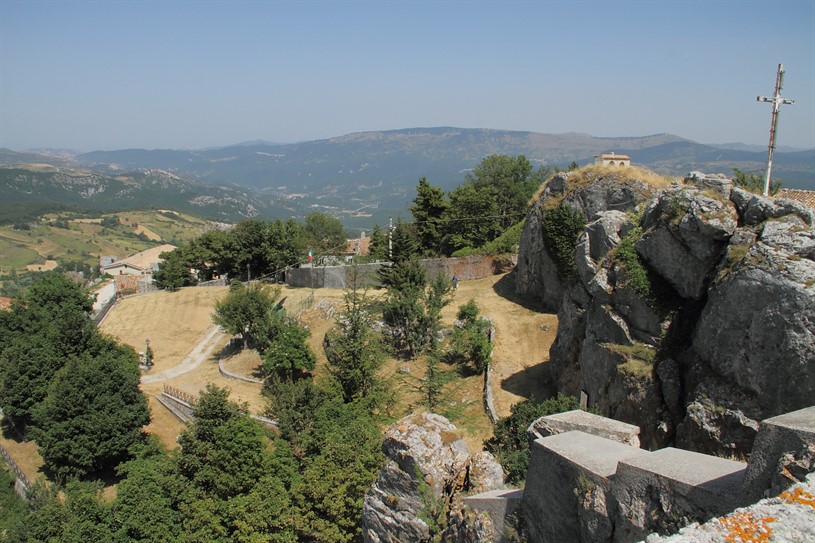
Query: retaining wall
{"points": [[465, 268], [588, 483]]}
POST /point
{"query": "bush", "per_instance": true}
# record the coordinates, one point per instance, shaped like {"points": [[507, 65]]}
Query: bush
{"points": [[470, 344], [561, 228], [510, 446]]}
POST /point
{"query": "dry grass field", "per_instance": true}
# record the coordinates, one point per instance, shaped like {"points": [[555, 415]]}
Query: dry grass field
{"points": [[177, 322]]}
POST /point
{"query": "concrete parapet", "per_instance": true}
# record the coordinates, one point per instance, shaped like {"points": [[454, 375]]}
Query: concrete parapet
{"points": [[584, 421], [499, 505], [566, 487], [585, 485], [670, 488], [790, 435]]}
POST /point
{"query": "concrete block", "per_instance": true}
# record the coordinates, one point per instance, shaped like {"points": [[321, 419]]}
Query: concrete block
{"points": [[585, 422], [777, 436], [670, 488], [566, 485], [499, 505]]}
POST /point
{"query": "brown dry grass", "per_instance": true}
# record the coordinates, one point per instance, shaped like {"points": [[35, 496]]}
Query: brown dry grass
{"points": [[175, 322], [587, 174]]}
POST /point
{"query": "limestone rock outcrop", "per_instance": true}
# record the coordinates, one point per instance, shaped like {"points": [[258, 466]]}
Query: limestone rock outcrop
{"points": [[691, 312], [427, 469]]}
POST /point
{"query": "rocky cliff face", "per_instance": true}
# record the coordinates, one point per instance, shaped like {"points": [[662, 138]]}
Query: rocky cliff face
{"points": [[427, 470], [691, 312]]}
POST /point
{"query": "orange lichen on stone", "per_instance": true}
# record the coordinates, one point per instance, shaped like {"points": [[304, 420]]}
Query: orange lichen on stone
{"points": [[798, 495], [745, 527]]}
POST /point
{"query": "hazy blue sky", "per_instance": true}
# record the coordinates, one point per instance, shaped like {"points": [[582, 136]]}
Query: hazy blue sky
{"points": [[111, 75]]}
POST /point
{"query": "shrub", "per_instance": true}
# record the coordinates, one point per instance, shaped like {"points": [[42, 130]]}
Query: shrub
{"points": [[561, 228], [509, 444]]}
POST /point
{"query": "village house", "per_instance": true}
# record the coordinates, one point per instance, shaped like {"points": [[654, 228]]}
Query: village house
{"points": [[141, 264], [612, 159]]}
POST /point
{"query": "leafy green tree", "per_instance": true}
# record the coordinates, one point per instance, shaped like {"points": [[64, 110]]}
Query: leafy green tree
{"points": [[470, 345], [247, 244], [93, 413], [245, 308], [412, 309], [288, 355], [354, 350], [513, 181], [754, 182], [145, 508], [510, 445], [428, 209], [13, 509], [46, 326], [223, 452], [473, 218], [342, 458], [173, 272], [325, 233], [80, 517], [573, 166], [285, 244]]}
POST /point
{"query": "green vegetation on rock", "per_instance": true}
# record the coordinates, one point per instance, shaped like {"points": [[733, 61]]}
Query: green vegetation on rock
{"points": [[561, 228]]}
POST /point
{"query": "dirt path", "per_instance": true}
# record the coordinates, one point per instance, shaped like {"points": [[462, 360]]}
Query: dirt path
{"points": [[523, 335], [201, 352]]}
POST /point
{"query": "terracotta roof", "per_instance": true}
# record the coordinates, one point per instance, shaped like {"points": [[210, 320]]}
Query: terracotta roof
{"points": [[359, 246], [613, 156], [806, 197], [5, 303], [144, 259]]}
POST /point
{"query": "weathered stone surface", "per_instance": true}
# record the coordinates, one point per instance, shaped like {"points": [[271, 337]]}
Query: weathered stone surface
{"points": [[754, 209], [568, 472], [758, 329], [667, 489], [686, 235], [714, 424], [789, 517], [790, 234], [536, 274], [716, 182], [500, 506], [584, 422], [426, 460], [740, 310], [784, 441]]}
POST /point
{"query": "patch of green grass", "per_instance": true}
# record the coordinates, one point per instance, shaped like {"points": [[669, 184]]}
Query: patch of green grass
{"points": [[639, 359], [15, 256]]}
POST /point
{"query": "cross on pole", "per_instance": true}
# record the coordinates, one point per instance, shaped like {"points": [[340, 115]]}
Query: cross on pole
{"points": [[776, 100]]}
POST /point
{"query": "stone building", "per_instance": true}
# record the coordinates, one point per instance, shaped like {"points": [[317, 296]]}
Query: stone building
{"points": [[612, 159]]}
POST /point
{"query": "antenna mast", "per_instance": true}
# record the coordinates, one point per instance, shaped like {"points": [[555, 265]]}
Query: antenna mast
{"points": [[776, 100]]}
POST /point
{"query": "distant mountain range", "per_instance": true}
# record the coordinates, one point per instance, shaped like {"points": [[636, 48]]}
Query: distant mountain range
{"points": [[365, 177]]}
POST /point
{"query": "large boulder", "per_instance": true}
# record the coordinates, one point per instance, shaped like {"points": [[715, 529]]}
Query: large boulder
{"points": [[428, 465], [592, 193], [686, 232]]}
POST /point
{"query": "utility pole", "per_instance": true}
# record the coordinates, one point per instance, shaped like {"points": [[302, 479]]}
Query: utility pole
{"points": [[390, 239], [776, 100], [248, 275]]}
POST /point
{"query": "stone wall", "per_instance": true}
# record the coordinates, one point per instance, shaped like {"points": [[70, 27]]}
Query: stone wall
{"points": [[466, 269], [587, 483]]}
